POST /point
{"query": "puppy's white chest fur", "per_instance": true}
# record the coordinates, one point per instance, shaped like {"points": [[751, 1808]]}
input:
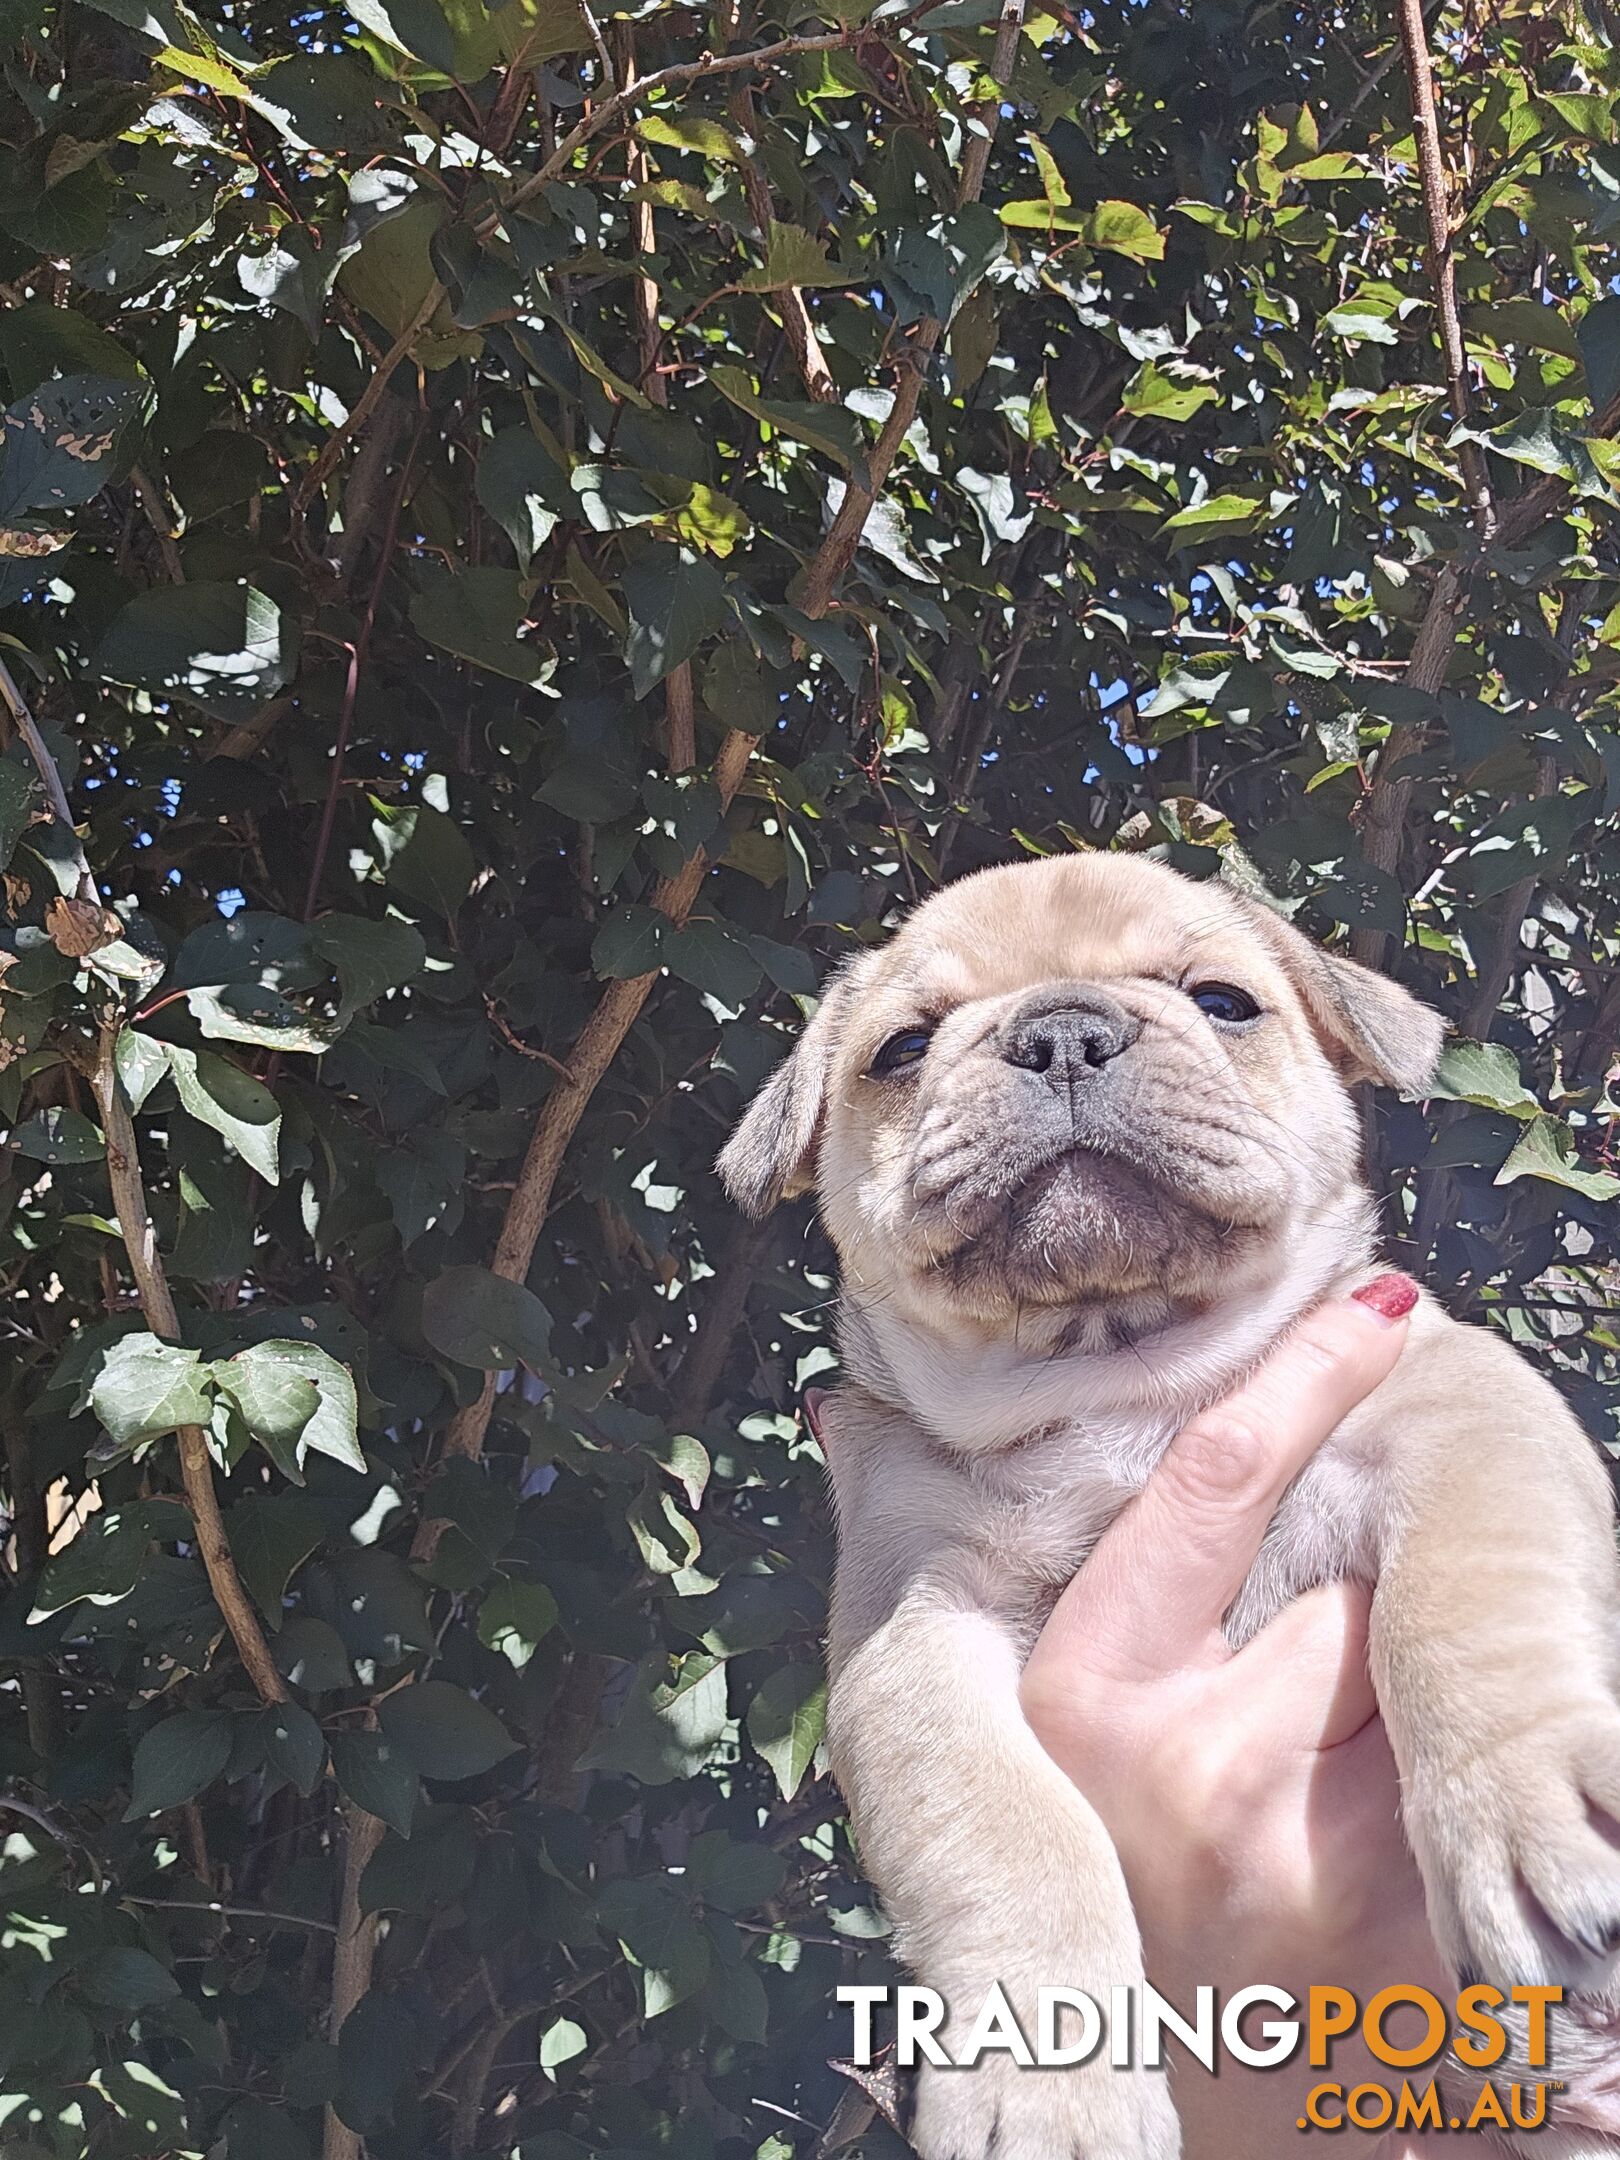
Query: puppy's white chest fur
{"points": [[1002, 1472], [1008, 1529], [1042, 1507]]}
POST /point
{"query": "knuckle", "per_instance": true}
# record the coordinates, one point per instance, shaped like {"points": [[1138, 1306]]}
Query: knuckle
{"points": [[1318, 1356], [1221, 1460]]}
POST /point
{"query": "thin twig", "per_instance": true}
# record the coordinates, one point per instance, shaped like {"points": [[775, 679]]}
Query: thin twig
{"points": [[162, 531], [230, 1912], [45, 765], [351, 686]]}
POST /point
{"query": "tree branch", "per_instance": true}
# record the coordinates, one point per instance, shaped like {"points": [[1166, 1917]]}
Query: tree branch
{"points": [[670, 78], [620, 1004], [353, 1956], [1388, 800], [822, 578], [1441, 256], [680, 703], [723, 1309], [146, 1262], [45, 765], [196, 1465], [599, 117], [800, 331]]}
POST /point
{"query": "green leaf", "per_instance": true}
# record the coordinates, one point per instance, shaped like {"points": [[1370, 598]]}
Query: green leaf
{"points": [[271, 1539], [932, 268], [38, 340], [1153, 394], [1485, 1073], [22, 797], [479, 615], [289, 275], [311, 1655], [831, 429], [1216, 516], [146, 1388], [378, 2049], [674, 600], [561, 2041], [226, 648], [515, 1618], [176, 1759], [658, 1933], [1120, 228], [786, 1720], [443, 1731], [58, 1135], [1546, 1149], [687, 131], [294, 1745], [126, 1979], [632, 941], [425, 855], [475, 1317], [219, 1094], [422, 1183], [1124, 228], [61, 442], [376, 1776], [795, 257], [734, 1874], [141, 1065], [368, 957], [104, 1562], [735, 2000], [704, 953], [668, 1728], [293, 1396], [1599, 334], [417, 27], [524, 490]]}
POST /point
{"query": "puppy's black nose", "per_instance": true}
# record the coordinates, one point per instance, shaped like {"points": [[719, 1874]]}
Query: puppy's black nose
{"points": [[1069, 1041]]}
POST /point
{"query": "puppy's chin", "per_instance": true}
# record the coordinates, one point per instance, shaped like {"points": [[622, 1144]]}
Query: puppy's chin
{"points": [[1087, 1227]]}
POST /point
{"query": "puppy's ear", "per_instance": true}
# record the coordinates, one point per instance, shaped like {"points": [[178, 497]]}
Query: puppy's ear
{"points": [[772, 1154], [1370, 1027]]}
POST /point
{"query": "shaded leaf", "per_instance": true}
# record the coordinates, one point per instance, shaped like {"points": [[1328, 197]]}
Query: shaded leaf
{"points": [[176, 1759], [786, 1720], [219, 1094], [475, 1317]]}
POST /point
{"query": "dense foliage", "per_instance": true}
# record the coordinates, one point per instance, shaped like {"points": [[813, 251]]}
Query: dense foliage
{"points": [[435, 454]]}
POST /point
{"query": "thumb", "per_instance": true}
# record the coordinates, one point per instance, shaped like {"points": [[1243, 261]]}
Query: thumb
{"points": [[1151, 1598]]}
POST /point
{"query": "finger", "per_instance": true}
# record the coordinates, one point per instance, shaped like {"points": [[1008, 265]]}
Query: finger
{"points": [[1304, 1683], [1150, 1599]]}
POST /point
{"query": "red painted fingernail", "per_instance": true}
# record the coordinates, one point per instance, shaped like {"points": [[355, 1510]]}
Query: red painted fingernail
{"points": [[1390, 1296]]}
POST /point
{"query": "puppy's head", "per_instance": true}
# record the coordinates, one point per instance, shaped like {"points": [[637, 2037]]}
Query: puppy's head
{"points": [[1080, 1079]]}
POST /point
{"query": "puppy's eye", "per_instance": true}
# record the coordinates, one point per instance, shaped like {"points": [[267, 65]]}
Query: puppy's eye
{"points": [[909, 1047], [1222, 1001]]}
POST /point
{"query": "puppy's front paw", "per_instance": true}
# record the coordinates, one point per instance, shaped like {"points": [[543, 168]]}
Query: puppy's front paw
{"points": [[1524, 1885], [997, 2111]]}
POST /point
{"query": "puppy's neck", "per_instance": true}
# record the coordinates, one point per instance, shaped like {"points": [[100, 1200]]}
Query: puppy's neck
{"points": [[1139, 1356]]}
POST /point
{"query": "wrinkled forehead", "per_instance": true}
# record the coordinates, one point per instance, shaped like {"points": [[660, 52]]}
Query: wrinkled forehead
{"points": [[1089, 920]]}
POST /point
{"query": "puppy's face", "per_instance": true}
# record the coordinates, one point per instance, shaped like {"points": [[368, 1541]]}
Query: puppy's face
{"points": [[1076, 1080]]}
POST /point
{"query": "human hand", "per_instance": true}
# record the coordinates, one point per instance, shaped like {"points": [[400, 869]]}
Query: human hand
{"points": [[1252, 1797]]}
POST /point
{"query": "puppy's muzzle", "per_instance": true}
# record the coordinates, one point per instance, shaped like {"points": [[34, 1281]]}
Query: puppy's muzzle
{"points": [[1067, 1037]]}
